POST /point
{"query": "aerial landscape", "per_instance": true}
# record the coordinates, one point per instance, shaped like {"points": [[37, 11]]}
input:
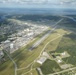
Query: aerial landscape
{"points": [[37, 37]]}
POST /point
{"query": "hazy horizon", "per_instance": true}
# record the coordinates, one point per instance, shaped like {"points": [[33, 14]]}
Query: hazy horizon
{"points": [[63, 4]]}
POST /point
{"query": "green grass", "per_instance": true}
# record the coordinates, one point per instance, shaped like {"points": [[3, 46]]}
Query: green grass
{"points": [[19, 51], [23, 57], [68, 43], [0, 48], [49, 67], [53, 45], [34, 72], [7, 68], [31, 56], [36, 65]]}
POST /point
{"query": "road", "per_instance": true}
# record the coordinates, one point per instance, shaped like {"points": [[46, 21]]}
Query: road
{"points": [[41, 53], [15, 65], [39, 41], [69, 18], [70, 69], [45, 36]]}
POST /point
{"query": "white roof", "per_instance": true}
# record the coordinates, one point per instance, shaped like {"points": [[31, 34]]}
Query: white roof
{"points": [[11, 45], [63, 53], [42, 60], [1, 53], [7, 41], [59, 61], [45, 54]]}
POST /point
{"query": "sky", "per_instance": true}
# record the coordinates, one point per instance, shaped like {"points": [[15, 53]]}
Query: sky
{"points": [[38, 4]]}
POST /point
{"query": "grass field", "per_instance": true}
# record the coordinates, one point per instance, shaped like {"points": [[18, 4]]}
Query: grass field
{"points": [[68, 43], [50, 66], [23, 57], [35, 53], [53, 45], [65, 43], [8, 67]]}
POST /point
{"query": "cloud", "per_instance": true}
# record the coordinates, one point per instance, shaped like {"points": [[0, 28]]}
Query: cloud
{"points": [[39, 1], [23, 1], [68, 1]]}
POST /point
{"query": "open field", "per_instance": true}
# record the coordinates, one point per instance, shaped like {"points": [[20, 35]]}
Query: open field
{"points": [[37, 51], [7, 68], [24, 57], [14, 55], [62, 39], [65, 43], [54, 45], [68, 43], [50, 66]]}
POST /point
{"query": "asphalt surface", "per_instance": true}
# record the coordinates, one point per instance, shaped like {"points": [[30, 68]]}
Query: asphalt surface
{"points": [[45, 36]]}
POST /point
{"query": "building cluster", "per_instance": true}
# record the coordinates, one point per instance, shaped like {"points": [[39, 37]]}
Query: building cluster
{"points": [[22, 37], [58, 57], [43, 58]]}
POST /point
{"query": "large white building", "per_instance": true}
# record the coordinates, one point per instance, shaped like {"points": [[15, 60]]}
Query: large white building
{"points": [[41, 60]]}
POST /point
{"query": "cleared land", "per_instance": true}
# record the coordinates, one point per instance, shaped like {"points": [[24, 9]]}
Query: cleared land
{"points": [[25, 58], [50, 67], [8, 67]]}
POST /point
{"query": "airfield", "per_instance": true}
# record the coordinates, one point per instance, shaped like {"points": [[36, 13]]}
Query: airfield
{"points": [[52, 52]]}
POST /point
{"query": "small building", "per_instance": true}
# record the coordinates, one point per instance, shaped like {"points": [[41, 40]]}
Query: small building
{"points": [[59, 61], [46, 54], [1, 54], [11, 46], [63, 54], [7, 41], [42, 60]]}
